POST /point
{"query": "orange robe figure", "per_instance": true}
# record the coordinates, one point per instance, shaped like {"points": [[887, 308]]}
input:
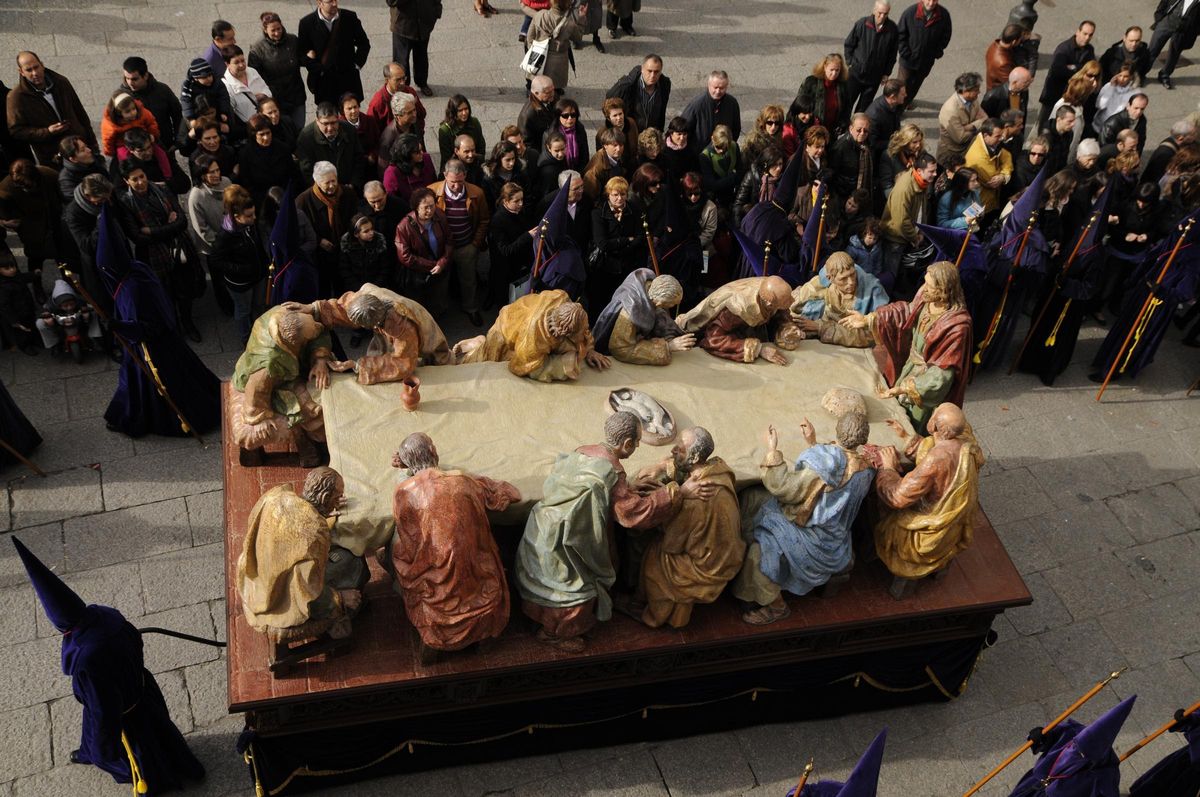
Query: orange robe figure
{"points": [[400, 332]]}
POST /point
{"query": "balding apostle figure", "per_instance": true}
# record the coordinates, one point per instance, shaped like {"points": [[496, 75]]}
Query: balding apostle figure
{"points": [[798, 527], [636, 326], [543, 336], [923, 347], [927, 516], [443, 557], [699, 549], [294, 583], [839, 289], [566, 561], [285, 348], [737, 321]]}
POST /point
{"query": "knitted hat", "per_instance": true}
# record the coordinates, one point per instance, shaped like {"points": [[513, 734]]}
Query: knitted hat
{"points": [[199, 68]]}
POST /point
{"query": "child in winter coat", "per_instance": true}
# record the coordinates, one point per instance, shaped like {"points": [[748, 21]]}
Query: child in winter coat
{"points": [[122, 114], [867, 251]]}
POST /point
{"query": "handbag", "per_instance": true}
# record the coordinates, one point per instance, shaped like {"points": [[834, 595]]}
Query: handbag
{"points": [[535, 57]]}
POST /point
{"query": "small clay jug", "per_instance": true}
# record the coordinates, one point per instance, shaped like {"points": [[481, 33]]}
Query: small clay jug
{"points": [[411, 393]]}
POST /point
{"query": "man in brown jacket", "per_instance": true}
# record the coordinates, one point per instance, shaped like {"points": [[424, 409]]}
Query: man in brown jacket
{"points": [[43, 109], [468, 216], [960, 117]]}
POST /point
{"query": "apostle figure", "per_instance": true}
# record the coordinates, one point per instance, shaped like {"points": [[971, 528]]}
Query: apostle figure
{"points": [[798, 527], [1177, 774], [699, 549], [928, 515], [1077, 761], [443, 557], [565, 561], [636, 326], [863, 780], [543, 336], [839, 289], [923, 347], [157, 362], [295, 584], [736, 321], [127, 731], [284, 349]]}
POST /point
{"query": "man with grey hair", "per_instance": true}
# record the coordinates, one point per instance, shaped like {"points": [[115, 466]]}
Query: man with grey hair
{"points": [[405, 119], [328, 206], [329, 138], [564, 563], [637, 325], [870, 51], [711, 107], [384, 210], [538, 114], [1182, 132], [797, 525], [468, 216], [700, 548], [395, 81], [961, 117], [443, 555]]}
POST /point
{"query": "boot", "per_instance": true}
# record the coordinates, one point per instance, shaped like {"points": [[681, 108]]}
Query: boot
{"points": [[596, 42]]}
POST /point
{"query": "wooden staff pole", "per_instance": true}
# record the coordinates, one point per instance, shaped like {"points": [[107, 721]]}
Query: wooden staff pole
{"points": [[1162, 729]]}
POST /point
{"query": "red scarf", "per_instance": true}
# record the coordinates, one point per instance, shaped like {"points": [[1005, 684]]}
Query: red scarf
{"points": [[831, 105], [921, 183]]}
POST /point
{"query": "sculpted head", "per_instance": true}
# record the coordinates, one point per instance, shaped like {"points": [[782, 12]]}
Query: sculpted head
{"points": [[367, 311], [566, 319], [694, 447], [947, 421], [842, 274], [852, 430], [943, 286], [418, 452], [622, 433], [774, 294], [323, 488], [297, 329], [665, 291]]}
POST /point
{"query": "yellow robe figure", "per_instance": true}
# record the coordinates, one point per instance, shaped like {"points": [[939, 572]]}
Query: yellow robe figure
{"points": [[919, 534], [521, 338]]}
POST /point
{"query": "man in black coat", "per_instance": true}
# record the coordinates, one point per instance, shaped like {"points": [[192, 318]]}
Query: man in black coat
{"points": [[1177, 22], [1182, 132], [330, 139], [412, 26], [538, 114], [923, 35], [884, 115], [851, 158], [158, 98], [1132, 117], [10, 148], [1059, 134], [870, 51], [645, 92], [333, 48], [1010, 96], [1068, 57], [711, 107], [1130, 48]]}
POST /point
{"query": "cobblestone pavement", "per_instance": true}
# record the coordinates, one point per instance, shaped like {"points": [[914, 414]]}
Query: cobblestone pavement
{"points": [[1098, 504]]}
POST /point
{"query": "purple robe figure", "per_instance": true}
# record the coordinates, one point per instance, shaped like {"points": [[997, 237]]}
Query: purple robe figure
{"points": [[1179, 285], [294, 277], [127, 730], [770, 222], [145, 318], [631, 296], [1080, 761], [561, 264], [1177, 774], [972, 269], [1018, 234], [863, 780], [15, 429], [1068, 298]]}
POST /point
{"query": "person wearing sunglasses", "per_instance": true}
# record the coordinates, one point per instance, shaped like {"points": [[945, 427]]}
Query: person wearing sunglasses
{"points": [[768, 131], [579, 151]]}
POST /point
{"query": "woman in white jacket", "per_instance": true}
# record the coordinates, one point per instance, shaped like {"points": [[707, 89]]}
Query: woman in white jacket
{"points": [[243, 83]]}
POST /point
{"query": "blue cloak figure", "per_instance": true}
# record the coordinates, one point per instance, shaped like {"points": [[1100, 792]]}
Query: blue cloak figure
{"points": [[294, 278], [144, 316], [631, 296], [1009, 282], [127, 731], [769, 222], [801, 558], [863, 780], [1080, 761], [869, 296], [1180, 284], [1178, 774], [972, 269], [561, 264], [1066, 300]]}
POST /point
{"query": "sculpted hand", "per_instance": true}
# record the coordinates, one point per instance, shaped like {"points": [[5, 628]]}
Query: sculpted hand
{"points": [[887, 393], [342, 366], [397, 460], [854, 321], [597, 360], [897, 427], [810, 434], [807, 325], [772, 438], [295, 307], [703, 490], [889, 457], [682, 343], [910, 449], [319, 374], [773, 355]]}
